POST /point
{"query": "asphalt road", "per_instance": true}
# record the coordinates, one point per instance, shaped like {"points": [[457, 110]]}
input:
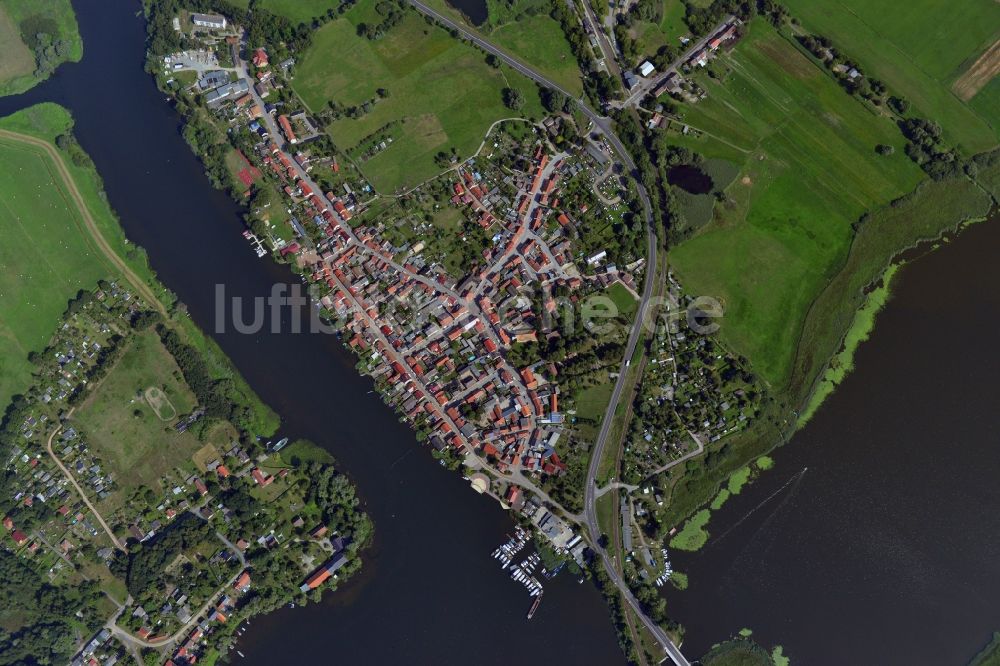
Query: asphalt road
{"points": [[604, 125]]}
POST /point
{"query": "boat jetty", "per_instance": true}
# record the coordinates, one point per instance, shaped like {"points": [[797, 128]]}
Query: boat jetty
{"points": [[522, 572], [667, 569], [256, 242], [506, 552]]}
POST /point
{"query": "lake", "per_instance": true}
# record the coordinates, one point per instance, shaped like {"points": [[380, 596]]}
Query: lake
{"points": [[875, 539]]}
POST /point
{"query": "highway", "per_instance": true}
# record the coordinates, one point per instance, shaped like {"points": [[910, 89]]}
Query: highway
{"points": [[604, 125]]}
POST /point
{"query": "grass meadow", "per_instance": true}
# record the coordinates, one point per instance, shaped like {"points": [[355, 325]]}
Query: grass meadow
{"points": [[135, 444], [55, 17], [918, 50], [526, 30], [45, 259], [296, 11], [808, 171], [442, 94], [57, 233]]}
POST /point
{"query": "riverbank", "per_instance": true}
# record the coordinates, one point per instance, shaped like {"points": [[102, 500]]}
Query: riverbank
{"points": [[845, 312], [877, 511], [49, 122], [214, 423], [839, 321]]}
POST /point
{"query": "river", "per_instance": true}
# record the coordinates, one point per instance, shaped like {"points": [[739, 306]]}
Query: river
{"points": [[886, 549], [429, 591]]}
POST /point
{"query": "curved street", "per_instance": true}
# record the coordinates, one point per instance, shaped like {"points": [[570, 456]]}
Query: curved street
{"points": [[603, 124]]}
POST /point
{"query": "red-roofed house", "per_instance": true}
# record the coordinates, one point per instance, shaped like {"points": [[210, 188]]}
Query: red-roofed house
{"points": [[286, 128], [19, 537], [261, 478], [242, 584]]}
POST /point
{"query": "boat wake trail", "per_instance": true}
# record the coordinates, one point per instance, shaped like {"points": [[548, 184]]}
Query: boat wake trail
{"points": [[400, 458], [795, 479]]}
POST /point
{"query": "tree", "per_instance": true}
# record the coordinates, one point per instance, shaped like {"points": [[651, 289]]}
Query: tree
{"points": [[883, 149], [899, 104], [553, 100], [513, 99], [493, 61]]}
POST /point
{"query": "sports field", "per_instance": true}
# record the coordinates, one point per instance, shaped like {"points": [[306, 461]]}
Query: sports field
{"points": [[122, 426], [441, 93], [45, 258], [808, 171], [919, 49]]}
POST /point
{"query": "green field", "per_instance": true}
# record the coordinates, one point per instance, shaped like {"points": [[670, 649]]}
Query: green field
{"points": [[651, 36], [808, 171], [135, 444], [18, 60], [918, 50], [296, 11], [20, 21], [442, 94], [593, 400], [935, 207], [60, 236], [623, 299], [45, 259], [526, 30]]}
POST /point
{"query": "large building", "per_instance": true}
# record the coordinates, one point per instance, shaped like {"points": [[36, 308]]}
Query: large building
{"points": [[223, 93], [321, 575], [211, 21]]}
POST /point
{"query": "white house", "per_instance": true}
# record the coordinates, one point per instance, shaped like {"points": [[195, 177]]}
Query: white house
{"points": [[212, 21], [646, 68]]}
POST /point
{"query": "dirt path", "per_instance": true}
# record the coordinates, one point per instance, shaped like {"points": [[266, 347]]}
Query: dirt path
{"points": [[48, 446], [979, 74], [91, 225]]}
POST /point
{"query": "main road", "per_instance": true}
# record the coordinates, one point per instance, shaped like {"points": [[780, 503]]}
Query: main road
{"points": [[603, 124]]}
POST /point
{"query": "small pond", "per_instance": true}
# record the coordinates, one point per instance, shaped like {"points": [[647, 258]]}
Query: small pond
{"points": [[474, 10], [690, 179]]}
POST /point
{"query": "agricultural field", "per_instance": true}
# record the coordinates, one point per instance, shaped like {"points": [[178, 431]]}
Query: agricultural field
{"points": [[129, 418], [45, 259], [20, 23], [808, 170], [920, 53], [18, 60], [441, 94]]}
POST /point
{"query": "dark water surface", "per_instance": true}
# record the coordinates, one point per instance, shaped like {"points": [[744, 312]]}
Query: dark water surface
{"points": [[475, 10], [886, 549], [429, 592], [690, 178]]}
